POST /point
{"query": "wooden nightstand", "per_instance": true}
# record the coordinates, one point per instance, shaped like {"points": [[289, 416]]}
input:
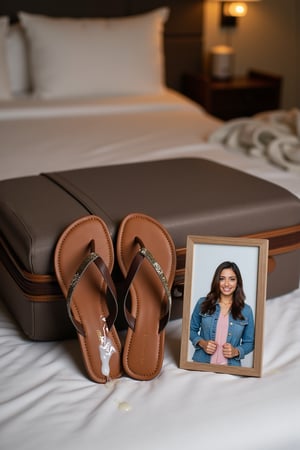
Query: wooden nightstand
{"points": [[237, 97]]}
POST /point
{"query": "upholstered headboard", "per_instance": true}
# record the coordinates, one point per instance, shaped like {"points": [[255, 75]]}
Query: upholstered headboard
{"points": [[183, 32]]}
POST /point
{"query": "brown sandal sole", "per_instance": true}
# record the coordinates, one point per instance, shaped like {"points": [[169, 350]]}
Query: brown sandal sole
{"points": [[89, 306], [144, 343]]}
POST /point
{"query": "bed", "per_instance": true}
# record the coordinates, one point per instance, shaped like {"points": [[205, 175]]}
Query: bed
{"points": [[46, 400]]}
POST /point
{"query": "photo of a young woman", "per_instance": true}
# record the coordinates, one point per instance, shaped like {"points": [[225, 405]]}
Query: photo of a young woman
{"points": [[222, 323]]}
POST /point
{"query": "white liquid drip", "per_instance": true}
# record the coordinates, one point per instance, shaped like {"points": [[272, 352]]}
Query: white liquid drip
{"points": [[124, 406], [106, 349]]}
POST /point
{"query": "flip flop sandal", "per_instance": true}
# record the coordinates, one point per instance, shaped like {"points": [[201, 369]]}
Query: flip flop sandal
{"points": [[83, 262], [147, 259]]}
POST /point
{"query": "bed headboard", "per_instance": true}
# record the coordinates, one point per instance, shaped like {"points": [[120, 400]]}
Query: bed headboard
{"points": [[183, 32]]}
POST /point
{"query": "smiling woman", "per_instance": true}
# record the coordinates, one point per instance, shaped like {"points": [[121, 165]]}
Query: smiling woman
{"points": [[222, 326]]}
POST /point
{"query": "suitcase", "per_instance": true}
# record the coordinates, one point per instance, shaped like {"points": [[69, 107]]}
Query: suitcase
{"points": [[188, 196]]}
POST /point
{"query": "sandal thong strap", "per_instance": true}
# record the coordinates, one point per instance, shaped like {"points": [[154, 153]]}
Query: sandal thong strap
{"points": [[93, 257], [142, 254]]}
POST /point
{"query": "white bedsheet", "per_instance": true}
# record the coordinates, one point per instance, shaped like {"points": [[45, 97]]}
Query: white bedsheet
{"points": [[40, 136], [48, 403], [46, 400]]}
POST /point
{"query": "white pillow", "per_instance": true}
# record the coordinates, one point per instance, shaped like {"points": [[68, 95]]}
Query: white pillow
{"points": [[77, 57], [5, 93], [17, 60]]}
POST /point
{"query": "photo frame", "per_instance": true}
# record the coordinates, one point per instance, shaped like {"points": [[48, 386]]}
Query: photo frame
{"points": [[205, 256]]}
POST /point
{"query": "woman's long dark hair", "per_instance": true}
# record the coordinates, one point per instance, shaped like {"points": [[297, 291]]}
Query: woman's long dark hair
{"points": [[209, 304]]}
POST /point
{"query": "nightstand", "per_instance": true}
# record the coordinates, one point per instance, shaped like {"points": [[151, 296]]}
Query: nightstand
{"points": [[237, 97]]}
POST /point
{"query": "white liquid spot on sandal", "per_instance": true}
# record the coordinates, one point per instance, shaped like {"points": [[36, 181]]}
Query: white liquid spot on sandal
{"points": [[106, 348]]}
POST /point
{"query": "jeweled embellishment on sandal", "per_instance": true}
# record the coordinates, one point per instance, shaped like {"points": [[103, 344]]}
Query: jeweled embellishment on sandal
{"points": [[75, 280], [156, 266]]}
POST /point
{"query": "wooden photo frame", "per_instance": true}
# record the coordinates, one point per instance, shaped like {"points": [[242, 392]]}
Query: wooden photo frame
{"points": [[206, 258]]}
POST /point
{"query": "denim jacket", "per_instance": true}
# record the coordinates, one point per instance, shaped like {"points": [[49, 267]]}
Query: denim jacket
{"points": [[240, 332]]}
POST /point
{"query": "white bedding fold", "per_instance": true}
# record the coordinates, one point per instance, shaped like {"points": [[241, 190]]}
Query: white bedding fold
{"points": [[274, 136], [30, 107]]}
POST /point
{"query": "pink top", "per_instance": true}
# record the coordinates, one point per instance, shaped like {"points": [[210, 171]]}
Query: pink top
{"points": [[221, 337]]}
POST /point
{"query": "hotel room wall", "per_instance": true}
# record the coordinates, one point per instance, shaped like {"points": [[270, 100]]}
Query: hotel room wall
{"points": [[267, 38]]}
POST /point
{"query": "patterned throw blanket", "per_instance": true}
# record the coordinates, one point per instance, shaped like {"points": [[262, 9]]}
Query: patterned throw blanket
{"points": [[273, 135]]}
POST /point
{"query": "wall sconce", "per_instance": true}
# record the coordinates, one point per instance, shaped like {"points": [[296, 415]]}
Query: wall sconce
{"points": [[230, 11], [235, 9]]}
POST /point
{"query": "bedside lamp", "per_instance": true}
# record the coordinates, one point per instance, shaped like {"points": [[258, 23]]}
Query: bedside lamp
{"points": [[221, 60]]}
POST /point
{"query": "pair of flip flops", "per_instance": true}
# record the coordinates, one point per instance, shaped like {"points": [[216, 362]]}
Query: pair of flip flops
{"points": [[84, 259]]}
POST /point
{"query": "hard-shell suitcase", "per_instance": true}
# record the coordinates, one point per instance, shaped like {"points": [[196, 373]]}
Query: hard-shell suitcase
{"points": [[188, 196]]}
